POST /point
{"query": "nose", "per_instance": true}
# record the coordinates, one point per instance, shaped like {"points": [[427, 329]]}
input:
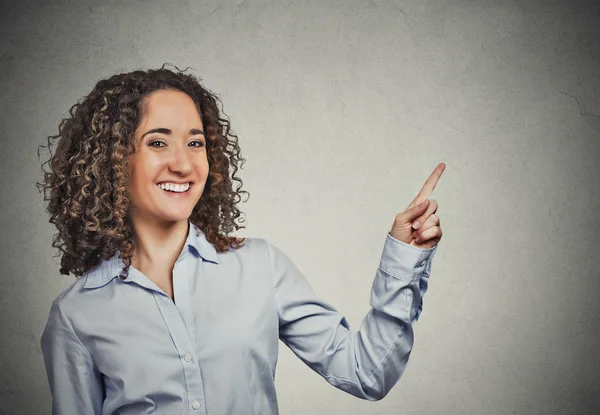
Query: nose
{"points": [[180, 161]]}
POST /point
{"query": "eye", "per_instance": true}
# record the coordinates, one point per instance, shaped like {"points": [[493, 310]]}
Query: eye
{"points": [[200, 143], [153, 142]]}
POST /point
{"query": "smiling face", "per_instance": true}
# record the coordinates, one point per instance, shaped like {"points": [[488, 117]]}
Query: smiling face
{"points": [[170, 147]]}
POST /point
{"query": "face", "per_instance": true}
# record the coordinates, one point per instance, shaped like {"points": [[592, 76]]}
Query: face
{"points": [[170, 150]]}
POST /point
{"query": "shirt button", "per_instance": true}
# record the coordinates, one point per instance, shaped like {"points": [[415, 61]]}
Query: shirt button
{"points": [[196, 405], [188, 357]]}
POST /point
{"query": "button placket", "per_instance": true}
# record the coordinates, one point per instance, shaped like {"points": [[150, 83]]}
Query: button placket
{"points": [[184, 343], [184, 308]]}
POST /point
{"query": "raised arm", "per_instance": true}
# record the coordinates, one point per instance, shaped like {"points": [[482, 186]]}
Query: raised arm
{"points": [[75, 383], [367, 363]]}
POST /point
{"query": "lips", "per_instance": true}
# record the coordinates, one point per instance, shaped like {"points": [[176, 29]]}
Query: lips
{"points": [[173, 193]]}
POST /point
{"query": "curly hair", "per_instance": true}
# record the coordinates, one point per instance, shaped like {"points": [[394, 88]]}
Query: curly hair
{"points": [[87, 185]]}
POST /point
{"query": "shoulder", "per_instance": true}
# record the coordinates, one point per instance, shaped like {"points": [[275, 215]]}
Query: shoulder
{"points": [[70, 299], [256, 255], [63, 309], [256, 248], [254, 243], [252, 246]]}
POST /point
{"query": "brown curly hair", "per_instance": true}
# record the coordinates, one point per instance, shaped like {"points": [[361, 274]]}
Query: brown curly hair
{"points": [[87, 185]]}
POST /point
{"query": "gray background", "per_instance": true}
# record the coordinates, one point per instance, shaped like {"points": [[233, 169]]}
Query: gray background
{"points": [[343, 109]]}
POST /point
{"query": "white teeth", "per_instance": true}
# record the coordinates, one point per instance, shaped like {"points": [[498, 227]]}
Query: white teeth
{"points": [[180, 188]]}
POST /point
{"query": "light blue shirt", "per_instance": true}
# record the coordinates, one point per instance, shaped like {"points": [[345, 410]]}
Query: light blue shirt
{"points": [[124, 346]]}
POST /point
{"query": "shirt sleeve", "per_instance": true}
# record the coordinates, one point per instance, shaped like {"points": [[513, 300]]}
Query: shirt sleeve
{"points": [[75, 382], [367, 363]]}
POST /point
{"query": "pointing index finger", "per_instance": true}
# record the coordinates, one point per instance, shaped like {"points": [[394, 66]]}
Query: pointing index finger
{"points": [[430, 184]]}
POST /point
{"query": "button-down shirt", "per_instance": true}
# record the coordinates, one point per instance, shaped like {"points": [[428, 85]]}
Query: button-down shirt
{"points": [[124, 346]]}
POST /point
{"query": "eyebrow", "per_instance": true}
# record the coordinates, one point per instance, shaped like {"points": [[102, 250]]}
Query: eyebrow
{"points": [[193, 131]]}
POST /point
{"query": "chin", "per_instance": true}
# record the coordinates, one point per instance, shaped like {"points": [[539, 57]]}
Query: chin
{"points": [[180, 216], [176, 218]]}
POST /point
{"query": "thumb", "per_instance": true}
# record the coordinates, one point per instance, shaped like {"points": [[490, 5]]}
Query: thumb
{"points": [[402, 227], [414, 212], [409, 215]]}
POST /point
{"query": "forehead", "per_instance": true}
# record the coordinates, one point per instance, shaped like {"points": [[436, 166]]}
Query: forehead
{"points": [[171, 107]]}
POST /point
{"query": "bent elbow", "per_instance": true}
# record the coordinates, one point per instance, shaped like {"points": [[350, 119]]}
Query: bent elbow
{"points": [[375, 398], [376, 392]]}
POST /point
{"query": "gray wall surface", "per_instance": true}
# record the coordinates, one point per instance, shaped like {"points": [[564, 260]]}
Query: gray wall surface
{"points": [[343, 109]]}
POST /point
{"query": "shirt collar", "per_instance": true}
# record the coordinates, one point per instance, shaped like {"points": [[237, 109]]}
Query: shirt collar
{"points": [[106, 270]]}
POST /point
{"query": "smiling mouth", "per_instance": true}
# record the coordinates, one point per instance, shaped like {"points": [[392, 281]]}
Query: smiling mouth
{"points": [[176, 191]]}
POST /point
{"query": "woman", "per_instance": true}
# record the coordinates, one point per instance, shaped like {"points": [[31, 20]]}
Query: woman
{"points": [[170, 315]]}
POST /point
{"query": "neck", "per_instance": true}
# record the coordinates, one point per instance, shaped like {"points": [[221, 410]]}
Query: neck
{"points": [[157, 243]]}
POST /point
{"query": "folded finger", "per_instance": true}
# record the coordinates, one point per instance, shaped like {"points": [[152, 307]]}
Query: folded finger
{"points": [[433, 206]]}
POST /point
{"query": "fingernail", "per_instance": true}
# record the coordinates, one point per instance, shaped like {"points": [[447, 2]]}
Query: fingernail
{"points": [[416, 224]]}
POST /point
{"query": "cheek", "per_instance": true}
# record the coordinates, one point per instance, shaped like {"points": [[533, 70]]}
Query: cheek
{"points": [[144, 174], [202, 166]]}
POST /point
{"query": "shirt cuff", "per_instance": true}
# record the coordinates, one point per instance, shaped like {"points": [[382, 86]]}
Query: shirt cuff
{"points": [[404, 261]]}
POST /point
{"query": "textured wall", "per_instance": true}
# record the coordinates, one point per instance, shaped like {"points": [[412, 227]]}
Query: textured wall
{"points": [[343, 109]]}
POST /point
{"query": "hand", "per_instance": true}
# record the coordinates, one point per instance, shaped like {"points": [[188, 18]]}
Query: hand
{"points": [[418, 225]]}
